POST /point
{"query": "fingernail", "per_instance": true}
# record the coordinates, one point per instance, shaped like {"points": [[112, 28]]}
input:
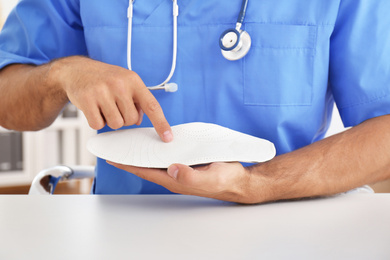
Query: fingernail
{"points": [[173, 171], [168, 136]]}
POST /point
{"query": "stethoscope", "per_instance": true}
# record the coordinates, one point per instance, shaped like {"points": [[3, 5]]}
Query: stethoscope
{"points": [[234, 43]]}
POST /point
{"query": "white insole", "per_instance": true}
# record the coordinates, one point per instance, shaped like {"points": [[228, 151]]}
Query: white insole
{"points": [[193, 144]]}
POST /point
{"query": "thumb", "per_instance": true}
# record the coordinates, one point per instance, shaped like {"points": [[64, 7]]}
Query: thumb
{"points": [[181, 173]]}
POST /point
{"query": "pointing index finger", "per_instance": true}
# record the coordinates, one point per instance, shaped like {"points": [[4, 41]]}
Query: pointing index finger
{"points": [[153, 110]]}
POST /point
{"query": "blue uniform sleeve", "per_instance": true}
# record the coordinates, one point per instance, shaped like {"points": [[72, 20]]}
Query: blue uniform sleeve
{"points": [[360, 60], [38, 31]]}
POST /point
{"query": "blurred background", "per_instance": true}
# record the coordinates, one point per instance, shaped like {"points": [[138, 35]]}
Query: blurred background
{"points": [[23, 155]]}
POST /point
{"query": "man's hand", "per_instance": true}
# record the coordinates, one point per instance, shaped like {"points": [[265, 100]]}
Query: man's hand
{"points": [[358, 156], [223, 181], [108, 94]]}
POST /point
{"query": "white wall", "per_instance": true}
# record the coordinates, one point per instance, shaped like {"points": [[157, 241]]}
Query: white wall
{"points": [[336, 125], [6, 7]]}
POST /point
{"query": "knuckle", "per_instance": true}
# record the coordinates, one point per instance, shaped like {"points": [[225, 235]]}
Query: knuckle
{"points": [[116, 123], [100, 90], [131, 119], [112, 87], [153, 105], [96, 124], [95, 121], [133, 76], [119, 86], [132, 79]]}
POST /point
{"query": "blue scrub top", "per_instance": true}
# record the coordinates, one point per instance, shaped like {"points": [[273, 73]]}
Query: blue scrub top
{"points": [[305, 55]]}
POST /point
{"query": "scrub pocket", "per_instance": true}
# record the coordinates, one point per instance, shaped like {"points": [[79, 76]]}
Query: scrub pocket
{"points": [[278, 70]]}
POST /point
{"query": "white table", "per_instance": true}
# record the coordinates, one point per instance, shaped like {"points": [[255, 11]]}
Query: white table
{"points": [[183, 227]]}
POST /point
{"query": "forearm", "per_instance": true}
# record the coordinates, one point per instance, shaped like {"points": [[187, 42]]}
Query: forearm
{"points": [[29, 100], [358, 156]]}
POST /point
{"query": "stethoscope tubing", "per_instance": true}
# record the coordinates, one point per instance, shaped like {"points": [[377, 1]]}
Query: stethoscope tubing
{"points": [[172, 87], [241, 16], [129, 41]]}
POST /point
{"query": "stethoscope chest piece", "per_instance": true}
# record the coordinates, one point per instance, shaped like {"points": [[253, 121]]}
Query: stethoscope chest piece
{"points": [[235, 44]]}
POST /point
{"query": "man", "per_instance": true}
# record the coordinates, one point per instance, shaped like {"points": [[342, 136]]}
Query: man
{"points": [[304, 56]]}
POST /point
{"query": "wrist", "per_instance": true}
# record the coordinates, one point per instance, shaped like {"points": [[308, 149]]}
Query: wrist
{"points": [[274, 180], [259, 187], [59, 73], [53, 78]]}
